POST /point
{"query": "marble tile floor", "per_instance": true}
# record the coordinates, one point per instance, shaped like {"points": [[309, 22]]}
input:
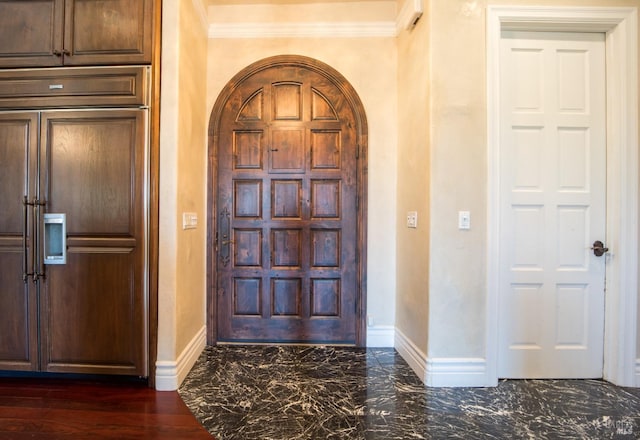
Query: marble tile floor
{"points": [[301, 392]]}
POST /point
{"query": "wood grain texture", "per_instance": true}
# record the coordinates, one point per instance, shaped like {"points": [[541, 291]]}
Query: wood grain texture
{"points": [[65, 409], [75, 32], [287, 160], [18, 301]]}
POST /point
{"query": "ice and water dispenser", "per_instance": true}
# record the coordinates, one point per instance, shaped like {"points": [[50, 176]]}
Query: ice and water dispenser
{"points": [[55, 238]]}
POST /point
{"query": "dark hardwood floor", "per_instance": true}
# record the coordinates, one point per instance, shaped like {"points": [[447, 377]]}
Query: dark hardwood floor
{"points": [[73, 409]]}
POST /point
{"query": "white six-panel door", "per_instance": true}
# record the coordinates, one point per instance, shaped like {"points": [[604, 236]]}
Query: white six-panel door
{"points": [[552, 205]]}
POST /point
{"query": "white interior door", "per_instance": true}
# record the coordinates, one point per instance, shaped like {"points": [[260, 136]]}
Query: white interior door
{"points": [[552, 205]]}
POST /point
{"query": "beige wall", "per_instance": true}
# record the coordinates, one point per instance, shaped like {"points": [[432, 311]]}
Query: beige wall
{"points": [[425, 97], [191, 261], [298, 12], [458, 179], [412, 287], [370, 66], [459, 172], [182, 272]]}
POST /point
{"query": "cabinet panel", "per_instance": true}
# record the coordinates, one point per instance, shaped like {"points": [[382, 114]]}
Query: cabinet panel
{"points": [[93, 313], [45, 33], [93, 308], [73, 87], [108, 32], [18, 325], [30, 32]]}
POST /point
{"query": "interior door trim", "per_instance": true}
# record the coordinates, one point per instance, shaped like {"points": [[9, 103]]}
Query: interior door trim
{"points": [[621, 30], [212, 166]]}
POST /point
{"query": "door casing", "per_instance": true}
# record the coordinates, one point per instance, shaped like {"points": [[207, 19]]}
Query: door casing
{"points": [[361, 176], [620, 28]]}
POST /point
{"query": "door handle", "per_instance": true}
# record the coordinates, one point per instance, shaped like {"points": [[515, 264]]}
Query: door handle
{"points": [[33, 269], [25, 256], [225, 239], [599, 249]]}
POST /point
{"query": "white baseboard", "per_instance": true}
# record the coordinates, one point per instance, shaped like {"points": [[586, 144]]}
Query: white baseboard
{"points": [[416, 359], [638, 373], [380, 336], [170, 374], [456, 372], [442, 372]]}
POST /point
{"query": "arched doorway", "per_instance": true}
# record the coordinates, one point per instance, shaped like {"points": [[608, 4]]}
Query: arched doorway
{"points": [[287, 203]]}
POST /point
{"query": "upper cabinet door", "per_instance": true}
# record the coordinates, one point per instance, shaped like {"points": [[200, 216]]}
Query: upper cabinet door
{"points": [[107, 32], [44, 33], [31, 33]]}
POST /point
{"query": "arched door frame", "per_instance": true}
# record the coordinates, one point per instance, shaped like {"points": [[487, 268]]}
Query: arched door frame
{"points": [[212, 180]]}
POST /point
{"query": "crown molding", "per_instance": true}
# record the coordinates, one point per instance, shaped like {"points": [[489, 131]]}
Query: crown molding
{"points": [[303, 30], [406, 19]]}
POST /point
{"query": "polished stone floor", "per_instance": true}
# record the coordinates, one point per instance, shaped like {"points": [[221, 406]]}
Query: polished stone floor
{"points": [[297, 392]]}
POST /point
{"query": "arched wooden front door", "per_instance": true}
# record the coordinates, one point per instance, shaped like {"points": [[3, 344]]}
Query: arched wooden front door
{"points": [[287, 204]]}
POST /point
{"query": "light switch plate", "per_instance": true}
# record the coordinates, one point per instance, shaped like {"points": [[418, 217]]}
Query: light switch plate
{"points": [[464, 220], [189, 220], [412, 219]]}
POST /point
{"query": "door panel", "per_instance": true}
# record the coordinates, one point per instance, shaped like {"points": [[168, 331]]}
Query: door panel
{"points": [[18, 326], [108, 32], [43, 33], [287, 217], [31, 32], [93, 307], [553, 165]]}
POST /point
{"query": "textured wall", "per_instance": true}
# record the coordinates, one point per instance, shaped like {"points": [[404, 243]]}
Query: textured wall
{"points": [[459, 171], [412, 304], [182, 273]]}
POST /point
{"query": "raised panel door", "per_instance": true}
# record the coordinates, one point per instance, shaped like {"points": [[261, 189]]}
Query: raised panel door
{"points": [[553, 207], [107, 32], [31, 33], [287, 217], [92, 308], [18, 305], [45, 33]]}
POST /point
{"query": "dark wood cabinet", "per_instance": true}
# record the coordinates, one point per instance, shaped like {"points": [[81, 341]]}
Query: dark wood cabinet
{"points": [[90, 314], [18, 294], [76, 98], [62, 87], [46, 33]]}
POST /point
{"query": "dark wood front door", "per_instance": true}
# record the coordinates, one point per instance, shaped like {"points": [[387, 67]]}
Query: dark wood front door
{"points": [[287, 207]]}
